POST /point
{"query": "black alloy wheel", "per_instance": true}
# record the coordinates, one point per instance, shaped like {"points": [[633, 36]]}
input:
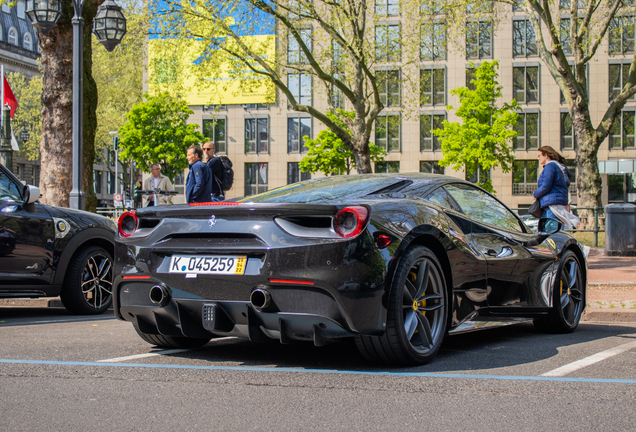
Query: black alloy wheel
{"points": [[417, 315], [568, 298], [88, 285]]}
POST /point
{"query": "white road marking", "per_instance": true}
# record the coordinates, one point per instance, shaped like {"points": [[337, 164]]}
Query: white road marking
{"points": [[139, 356], [162, 352], [587, 361]]}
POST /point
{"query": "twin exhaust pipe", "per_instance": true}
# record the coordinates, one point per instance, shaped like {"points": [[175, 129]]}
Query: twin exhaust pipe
{"points": [[260, 298]]}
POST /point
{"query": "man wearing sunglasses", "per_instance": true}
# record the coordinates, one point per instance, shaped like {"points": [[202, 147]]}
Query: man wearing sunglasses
{"points": [[216, 168]]}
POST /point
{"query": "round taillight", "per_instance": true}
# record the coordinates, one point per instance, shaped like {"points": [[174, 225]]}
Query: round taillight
{"points": [[127, 224], [350, 221]]}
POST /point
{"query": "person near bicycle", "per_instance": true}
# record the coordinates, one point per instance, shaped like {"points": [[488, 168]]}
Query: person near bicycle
{"points": [[157, 181]]}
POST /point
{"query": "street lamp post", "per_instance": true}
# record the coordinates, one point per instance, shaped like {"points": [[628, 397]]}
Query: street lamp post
{"points": [[109, 25]]}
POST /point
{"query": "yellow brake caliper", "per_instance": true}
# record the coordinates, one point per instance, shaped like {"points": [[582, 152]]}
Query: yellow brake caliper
{"points": [[412, 277]]}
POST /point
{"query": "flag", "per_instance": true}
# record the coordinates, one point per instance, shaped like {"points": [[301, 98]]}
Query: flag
{"points": [[9, 98]]}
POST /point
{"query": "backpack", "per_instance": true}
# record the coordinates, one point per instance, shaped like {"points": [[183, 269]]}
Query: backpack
{"points": [[228, 173]]}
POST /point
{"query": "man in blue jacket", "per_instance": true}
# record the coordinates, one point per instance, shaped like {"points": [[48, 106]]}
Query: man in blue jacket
{"points": [[198, 184]]}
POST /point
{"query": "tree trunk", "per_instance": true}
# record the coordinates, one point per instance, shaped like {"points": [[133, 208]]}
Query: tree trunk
{"points": [[588, 179], [56, 145]]}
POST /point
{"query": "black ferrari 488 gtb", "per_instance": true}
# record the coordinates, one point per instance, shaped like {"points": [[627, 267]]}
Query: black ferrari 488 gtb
{"points": [[395, 262]]}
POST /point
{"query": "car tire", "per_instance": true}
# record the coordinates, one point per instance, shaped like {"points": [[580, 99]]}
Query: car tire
{"points": [[417, 316], [568, 298], [88, 284], [171, 341]]}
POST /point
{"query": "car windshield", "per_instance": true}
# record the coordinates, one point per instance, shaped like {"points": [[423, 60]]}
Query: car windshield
{"points": [[325, 189]]}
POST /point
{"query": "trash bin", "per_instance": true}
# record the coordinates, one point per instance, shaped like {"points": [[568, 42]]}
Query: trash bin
{"points": [[620, 230]]}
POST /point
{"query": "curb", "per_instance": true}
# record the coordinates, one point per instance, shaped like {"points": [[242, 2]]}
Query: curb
{"points": [[607, 316], [52, 302]]}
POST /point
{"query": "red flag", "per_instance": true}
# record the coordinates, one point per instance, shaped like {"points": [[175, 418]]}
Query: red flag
{"points": [[9, 98]]}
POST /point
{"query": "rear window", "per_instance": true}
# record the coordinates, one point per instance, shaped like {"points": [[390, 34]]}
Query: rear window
{"points": [[334, 188]]}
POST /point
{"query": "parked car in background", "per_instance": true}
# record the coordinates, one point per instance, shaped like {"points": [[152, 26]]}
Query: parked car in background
{"points": [[531, 222], [47, 251], [394, 262]]}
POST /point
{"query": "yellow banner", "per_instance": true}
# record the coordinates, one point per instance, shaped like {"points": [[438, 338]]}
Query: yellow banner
{"points": [[178, 66]]}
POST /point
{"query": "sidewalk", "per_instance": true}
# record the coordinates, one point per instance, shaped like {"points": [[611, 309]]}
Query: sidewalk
{"points": [[611, 294]]}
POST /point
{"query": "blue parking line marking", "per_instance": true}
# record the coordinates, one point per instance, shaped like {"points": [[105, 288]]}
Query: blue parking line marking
{"points": [[322, 371]]}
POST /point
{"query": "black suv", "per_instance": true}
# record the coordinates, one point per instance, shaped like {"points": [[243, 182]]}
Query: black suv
{"points": [[49, 251]]}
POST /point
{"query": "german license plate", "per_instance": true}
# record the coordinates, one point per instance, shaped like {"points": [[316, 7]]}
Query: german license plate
{"points": [[215, 264]]}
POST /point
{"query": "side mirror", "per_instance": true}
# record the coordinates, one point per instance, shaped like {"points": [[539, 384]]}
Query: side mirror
{"points": [[549, 226], [34, 194], [546, 228]]}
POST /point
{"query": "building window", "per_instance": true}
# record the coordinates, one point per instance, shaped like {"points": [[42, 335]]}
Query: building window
{"points": [[111, 157], [337, 96], [294, 174], [432, 7], [388, 82], [566, 4], [27, 42], [387, 7], [387, 167], [564, 37], [300, 87], [524, 42], [433, 41], [479, 39], [525, 81], [179, 179], [524, 177], [433, 86], [255, 178], [567, 132], [471, 75], [387, 132], [256, 135], [621, 135], [110, 183], [431, 167], [297, 129], [479, 176], [297, 10], [428, 140], [618, 77], [99, 157], [215, 130], [13, 37], [256, 106], [20, 10], [388, 46], [621, 35], [527, 132], [479, 7], [97, 181], [295, 54]]}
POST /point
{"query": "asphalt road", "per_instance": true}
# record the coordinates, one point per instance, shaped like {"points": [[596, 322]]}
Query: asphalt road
{"points": [[63, 372]]}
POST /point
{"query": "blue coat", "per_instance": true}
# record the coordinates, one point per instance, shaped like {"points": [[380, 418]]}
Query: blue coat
{"points": [[198, 184], [553, 186]]}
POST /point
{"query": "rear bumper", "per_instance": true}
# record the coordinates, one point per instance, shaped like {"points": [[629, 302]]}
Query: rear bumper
{"points": [[330, 290]]}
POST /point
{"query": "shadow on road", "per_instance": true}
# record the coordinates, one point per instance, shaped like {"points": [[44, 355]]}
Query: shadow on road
{"points": [[476, 352]]}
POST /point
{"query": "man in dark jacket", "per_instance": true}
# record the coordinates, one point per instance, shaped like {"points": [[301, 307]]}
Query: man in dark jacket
{"points": [[198, 185], [216, 169]]}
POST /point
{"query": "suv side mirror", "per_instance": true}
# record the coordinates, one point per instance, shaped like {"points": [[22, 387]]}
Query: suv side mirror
{"points": [[34, 194]]}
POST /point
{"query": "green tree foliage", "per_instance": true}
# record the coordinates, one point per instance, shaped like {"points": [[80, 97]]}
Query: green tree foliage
{"points": [[28, 117], [119, 74], [483, 138], [156, 131], [328, 154]]}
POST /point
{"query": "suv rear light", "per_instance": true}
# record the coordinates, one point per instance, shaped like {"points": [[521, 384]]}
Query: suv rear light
{"points": [[350, 221], [128, 224]]}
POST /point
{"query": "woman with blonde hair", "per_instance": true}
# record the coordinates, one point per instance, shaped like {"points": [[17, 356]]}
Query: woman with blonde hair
{"points": [[553, 190]]}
